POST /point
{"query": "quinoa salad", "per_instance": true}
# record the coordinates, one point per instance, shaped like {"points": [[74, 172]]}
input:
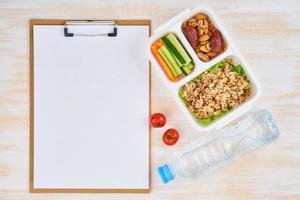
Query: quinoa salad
{"points": [[216, 91]]}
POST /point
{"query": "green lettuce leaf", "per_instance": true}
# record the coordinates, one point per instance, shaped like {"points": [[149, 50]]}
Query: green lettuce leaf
{"points": [[239, 69], [215, 67], [209, 120]]}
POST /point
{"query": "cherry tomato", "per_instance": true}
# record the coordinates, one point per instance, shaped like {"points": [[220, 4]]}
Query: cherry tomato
{"points": [[170, 137], [158, 120]]}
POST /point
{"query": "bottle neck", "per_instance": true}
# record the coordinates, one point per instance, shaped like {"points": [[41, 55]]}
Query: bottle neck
{"points": [[165, 173]]}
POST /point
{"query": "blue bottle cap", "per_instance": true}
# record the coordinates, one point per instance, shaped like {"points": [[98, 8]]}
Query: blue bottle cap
{"points": [[165, 173]]}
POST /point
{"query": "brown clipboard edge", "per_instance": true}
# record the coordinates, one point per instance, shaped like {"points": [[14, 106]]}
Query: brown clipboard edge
{"points": [[31, 114]]}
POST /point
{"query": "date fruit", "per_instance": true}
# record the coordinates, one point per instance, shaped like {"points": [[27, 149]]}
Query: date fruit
{"points": [[216, 42], [191, 34]]}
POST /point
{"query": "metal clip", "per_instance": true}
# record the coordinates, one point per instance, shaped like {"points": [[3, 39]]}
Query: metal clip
{"points": [[90, 22]]}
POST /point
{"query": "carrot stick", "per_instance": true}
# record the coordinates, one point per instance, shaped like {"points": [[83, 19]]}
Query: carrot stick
{"points": [[163, 64]]}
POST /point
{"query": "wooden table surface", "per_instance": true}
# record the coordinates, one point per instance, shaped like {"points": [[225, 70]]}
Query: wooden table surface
{"points": [[267, 34]]}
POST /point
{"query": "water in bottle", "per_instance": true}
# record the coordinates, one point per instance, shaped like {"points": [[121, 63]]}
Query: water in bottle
{"points": [[252, 132]]}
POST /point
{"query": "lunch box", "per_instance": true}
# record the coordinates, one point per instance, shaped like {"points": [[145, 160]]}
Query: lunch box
{"points": [[174, 25]]}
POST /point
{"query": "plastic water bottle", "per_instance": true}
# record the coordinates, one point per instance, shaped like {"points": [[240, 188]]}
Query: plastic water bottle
{"points": [[252, 132]]}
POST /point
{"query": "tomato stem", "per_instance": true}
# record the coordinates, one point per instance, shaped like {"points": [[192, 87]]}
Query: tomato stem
{"points": [[169, 136]]}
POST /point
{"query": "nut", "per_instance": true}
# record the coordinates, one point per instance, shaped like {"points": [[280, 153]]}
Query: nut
{"points": [[201, 31], [205, 31], [204, 38], [192, 20], [204, 42], [207, 44], [205, 23], [198, 49], [211, 54], [205, 49], [201, 16], [200, 23], [203, 56], [193, 24]]}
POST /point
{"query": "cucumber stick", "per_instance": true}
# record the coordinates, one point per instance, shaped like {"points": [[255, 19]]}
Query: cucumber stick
{"points": [[174, 51], [187, 69], [173, 39], [167, 56]]}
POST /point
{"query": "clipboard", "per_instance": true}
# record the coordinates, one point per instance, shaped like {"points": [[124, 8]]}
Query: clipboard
{"points": [[68, 33]]}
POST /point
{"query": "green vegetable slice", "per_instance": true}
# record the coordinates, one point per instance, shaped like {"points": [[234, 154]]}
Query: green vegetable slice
{"points": [[174, 51], [164, 52], [174, 40], [187, 69]]}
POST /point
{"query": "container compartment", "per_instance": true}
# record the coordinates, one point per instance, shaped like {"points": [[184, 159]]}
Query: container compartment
{"points": [[204, 37], [199, 107], [172, 57]]}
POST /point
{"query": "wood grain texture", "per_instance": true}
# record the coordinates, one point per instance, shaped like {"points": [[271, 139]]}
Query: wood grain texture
{"points": [[266, 32]]}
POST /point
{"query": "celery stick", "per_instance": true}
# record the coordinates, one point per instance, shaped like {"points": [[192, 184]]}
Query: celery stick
{"points": [[167, 56]]}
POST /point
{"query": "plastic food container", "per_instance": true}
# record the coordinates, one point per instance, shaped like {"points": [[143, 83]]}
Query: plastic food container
{"points": [[174, 25]]}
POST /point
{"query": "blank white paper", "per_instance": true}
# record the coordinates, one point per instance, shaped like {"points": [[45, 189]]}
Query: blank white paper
{"points": [[91, 107]]}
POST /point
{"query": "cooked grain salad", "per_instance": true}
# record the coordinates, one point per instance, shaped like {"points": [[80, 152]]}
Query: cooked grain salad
{"points": [[216, 91]]}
